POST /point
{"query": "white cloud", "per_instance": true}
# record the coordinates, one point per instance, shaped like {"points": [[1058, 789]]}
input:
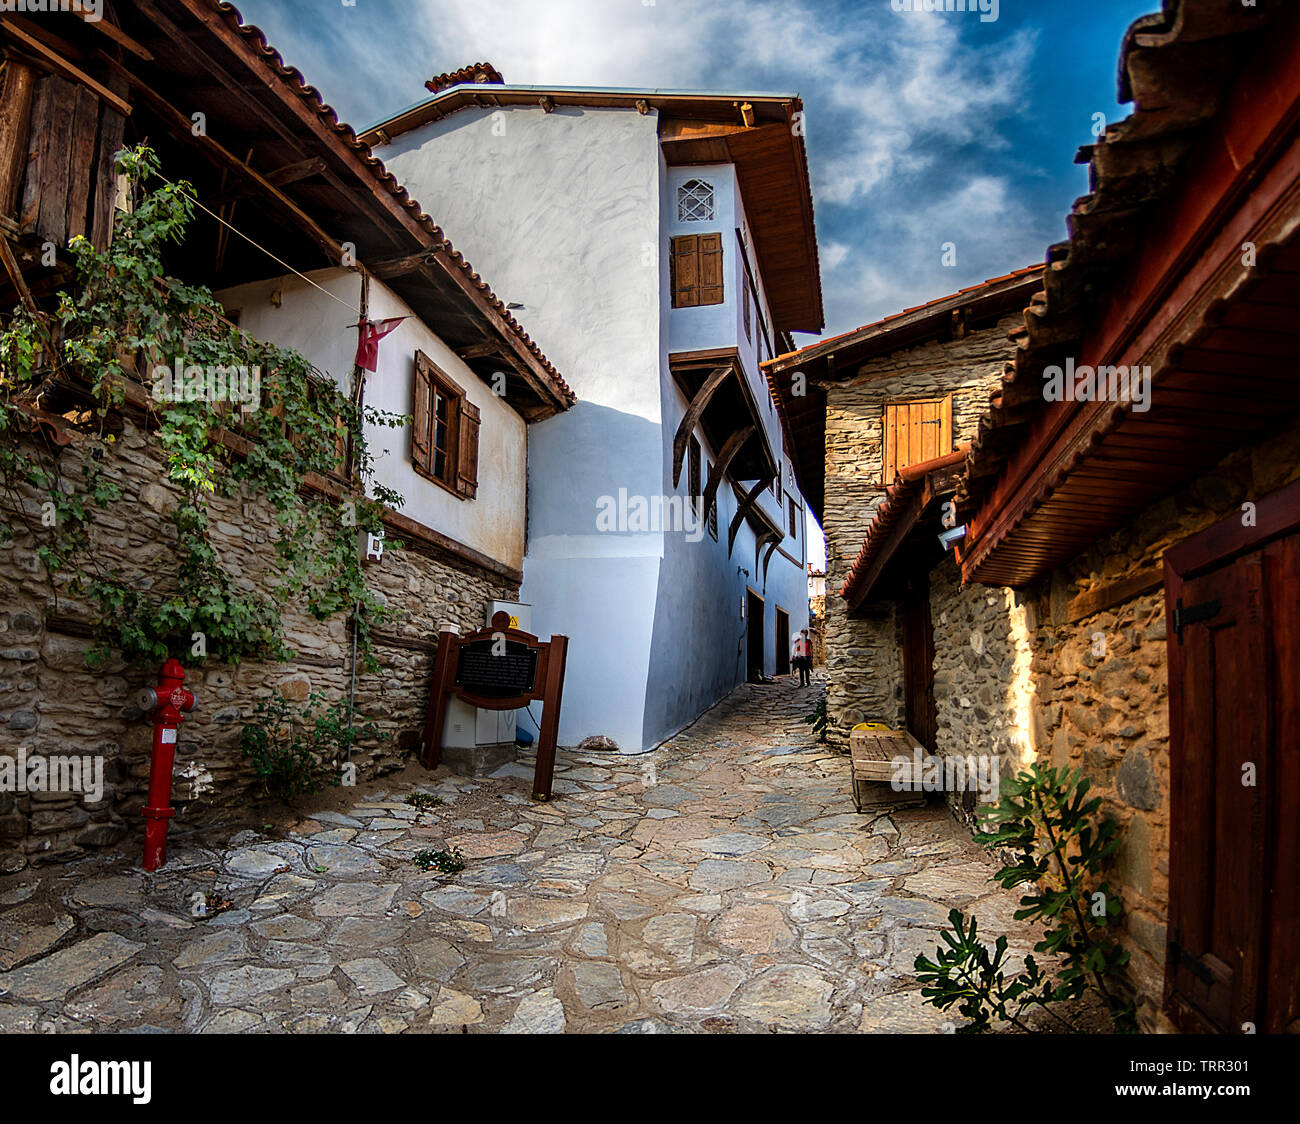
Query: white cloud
{"points": [[903, 108]]}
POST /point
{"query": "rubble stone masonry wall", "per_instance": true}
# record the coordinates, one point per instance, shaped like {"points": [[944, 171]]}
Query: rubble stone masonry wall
{"points": [[1014, 676], [1100, 685], [51, 703], [863, 657]]}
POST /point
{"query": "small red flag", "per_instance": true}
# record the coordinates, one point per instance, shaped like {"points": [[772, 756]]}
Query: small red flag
{"points": [[368, 346]]}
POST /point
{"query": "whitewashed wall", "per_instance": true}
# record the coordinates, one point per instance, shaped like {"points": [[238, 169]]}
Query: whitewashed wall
{"points": [[560, 212], [569, 214], [318, 327]]}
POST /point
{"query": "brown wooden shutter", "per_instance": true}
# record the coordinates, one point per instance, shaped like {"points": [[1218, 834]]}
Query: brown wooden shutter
{"points": [[421, 404], [686, 271], [467, 449], [915, 432], [710, 269]]}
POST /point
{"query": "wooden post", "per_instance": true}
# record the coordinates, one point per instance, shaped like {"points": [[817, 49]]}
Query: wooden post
{"points": [[544, 775], [443, 663], [17, 89]]}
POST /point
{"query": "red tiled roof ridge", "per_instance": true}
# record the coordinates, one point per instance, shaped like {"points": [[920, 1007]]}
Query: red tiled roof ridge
{"points": [[480, 73], [992, 281], [294, 79]]}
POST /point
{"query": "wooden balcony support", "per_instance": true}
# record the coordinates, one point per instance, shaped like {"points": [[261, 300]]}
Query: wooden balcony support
{"points": [[745, 505], [720, 466], [691, 419]]}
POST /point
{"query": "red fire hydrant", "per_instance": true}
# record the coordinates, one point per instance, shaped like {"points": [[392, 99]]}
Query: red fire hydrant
{"points": [[170, 701]]}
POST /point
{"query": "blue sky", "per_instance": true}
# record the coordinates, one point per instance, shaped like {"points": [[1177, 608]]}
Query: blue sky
{"points": [[923, 128]]}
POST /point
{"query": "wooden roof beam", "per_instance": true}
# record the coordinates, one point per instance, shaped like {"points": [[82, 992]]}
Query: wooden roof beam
{"points": [[221, 157]]}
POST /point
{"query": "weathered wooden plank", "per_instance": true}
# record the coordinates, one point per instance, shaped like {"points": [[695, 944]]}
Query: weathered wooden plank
{"points": [[57, 63], [81, 161], [37, 144], [17, 92], [112, 125], [52, 222]]}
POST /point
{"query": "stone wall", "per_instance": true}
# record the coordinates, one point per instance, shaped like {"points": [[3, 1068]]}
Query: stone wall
{"points": [[983, 693], [969, 369], [51, 703], [1101, 687], [1015, 677], [817, 629]]}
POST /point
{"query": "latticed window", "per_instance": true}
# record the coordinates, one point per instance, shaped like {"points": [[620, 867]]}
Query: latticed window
{"points": [[695, 202]]}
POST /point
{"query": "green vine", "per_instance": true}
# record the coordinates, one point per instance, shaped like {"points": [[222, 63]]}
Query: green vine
{"points": [[128, 322]]}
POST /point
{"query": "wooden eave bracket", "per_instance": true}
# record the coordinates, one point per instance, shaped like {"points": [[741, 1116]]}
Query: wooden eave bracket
{"points": [[745, 505], [725, 456], [691, 419]]}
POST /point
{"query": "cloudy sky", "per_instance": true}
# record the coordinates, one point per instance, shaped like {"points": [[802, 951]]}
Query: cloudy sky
{"points": [[923, 128]]}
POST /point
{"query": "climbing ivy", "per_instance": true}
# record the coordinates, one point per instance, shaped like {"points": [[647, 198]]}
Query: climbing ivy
{"points": [[125, 321]]}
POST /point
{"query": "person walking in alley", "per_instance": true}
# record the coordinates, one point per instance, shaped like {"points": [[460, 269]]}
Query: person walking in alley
{"points": [[802, 658]]}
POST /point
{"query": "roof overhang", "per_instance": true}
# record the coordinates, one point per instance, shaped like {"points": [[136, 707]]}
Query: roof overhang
{"points": [[275, 161], [904, 534], [1221, 336], [813, 368], [760, 134]]}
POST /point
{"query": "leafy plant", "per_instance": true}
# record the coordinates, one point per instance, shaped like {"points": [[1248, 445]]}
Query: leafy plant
{"points": [[125, 322], [817, 719], [1061, 849], [424, 800], [448, 862], [296, 750]]}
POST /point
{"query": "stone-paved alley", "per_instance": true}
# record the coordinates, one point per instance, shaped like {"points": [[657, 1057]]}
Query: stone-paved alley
{"points": [[724, 882]]}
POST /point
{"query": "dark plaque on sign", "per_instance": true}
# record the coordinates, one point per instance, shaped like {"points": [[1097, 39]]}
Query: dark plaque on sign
{"points": [[497, 668]]}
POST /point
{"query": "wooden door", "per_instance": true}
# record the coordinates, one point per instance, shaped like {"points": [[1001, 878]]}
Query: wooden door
{"points": [[1233, 956], [918, 661], [782, 642]]}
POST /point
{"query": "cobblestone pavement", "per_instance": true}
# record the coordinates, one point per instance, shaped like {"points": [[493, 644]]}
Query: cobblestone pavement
{"points": [[724, 882]]}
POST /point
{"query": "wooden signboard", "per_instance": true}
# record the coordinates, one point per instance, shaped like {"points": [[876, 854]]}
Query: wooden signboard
{"points": [[499, 668]]}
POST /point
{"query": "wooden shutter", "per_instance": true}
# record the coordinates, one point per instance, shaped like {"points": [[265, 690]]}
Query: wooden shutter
{"points": [[467, 449], [710, 269], [915, 432], [421, 405], [686, 271]]}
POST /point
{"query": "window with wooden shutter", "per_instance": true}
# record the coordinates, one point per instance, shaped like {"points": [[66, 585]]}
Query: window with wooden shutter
{"points": [[914, 432], [467, 450], [697, 270], [444, 430], [794, 519]]}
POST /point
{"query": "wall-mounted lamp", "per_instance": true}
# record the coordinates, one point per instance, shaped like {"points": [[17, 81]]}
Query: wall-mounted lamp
{"points": [[951, 538]]}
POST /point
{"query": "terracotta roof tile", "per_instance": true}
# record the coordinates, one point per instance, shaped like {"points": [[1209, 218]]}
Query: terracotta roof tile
{"points": [[294, 80]]}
